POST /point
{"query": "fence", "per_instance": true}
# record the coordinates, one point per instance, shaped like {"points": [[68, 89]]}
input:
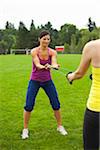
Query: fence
{"points": [[20, 51]]}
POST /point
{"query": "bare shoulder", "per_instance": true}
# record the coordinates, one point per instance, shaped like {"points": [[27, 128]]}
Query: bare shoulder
{"points": [[34, 51], [88, 47], [97, 41], [52, 52], [91, 48], [92, 43]]}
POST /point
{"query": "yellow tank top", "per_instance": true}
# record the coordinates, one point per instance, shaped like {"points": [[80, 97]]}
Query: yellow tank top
{"points": [[93, 102]]}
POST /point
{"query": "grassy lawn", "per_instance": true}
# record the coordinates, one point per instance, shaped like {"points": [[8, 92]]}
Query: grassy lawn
{"points": [[14, 76]]}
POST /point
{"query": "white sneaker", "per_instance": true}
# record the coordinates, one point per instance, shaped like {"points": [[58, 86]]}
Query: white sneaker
{"points": [[25, 134], [62, 130]]}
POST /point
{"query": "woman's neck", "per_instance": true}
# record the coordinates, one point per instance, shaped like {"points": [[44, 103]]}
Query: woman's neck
{"points": [[43, 48]]}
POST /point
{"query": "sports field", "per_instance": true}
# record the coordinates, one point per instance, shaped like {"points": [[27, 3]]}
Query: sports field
{"points": [[14, 76]]}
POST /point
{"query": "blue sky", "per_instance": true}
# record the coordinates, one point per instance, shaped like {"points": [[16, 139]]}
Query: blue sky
{"points": [[58, 12]]}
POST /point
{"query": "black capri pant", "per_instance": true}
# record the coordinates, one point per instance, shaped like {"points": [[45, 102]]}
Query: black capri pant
{"points": [[91, 130]]}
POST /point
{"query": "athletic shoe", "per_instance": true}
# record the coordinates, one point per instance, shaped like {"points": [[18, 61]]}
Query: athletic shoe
{"points": [[25, 134], [62, 130]]}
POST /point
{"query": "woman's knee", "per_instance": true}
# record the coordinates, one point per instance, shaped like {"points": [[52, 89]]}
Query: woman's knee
{"points": [[28, 108], [55, 106]]}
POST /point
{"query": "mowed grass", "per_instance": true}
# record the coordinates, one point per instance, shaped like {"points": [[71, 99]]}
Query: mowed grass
{"points": [[14, 76]]}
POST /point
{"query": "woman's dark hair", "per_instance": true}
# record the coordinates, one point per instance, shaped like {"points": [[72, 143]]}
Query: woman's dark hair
{"points": [[44, 33]]}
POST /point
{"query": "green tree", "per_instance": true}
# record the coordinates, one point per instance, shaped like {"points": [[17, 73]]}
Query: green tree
{"points": [[47, 26], [22, 36], [33, 38], [3, 47], [32, 26], [54, 38], [66, 32], [67, 48], [8, 35], [9, 25], [73, 44], [1, 34], [10, 40], [85, 37]]}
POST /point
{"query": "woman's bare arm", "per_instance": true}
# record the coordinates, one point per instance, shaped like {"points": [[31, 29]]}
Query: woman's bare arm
{"points": [[36, 59], [84, 64]]}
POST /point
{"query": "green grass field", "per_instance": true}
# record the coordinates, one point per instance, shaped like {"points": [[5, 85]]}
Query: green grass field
{"points": [[14, 76]]}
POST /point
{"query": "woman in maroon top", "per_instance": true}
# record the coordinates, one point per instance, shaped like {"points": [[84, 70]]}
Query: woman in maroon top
{"points": [[43, 59]]}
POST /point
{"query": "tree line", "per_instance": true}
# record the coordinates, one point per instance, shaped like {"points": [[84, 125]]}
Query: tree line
{"points": [[69, 35]]}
